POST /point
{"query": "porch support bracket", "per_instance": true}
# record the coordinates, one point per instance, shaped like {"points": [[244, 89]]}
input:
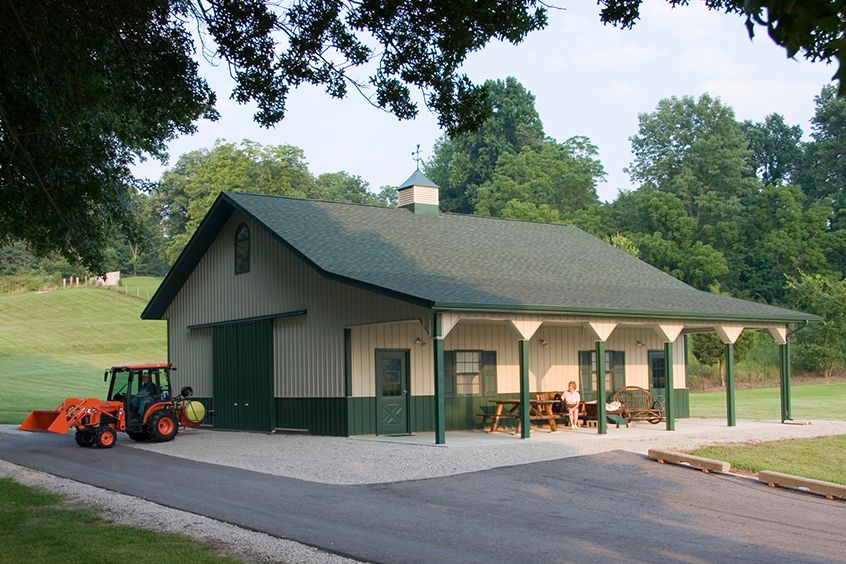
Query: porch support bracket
{"points": [[601, 330], [526, 328]]}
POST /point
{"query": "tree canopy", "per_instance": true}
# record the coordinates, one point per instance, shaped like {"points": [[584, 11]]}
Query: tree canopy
{"points": [[87, 88]]}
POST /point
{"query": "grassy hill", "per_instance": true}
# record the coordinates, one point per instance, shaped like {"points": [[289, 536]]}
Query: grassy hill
{"points": [[58, 344]]}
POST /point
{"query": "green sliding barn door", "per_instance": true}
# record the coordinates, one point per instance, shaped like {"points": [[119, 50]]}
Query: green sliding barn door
{"points": [[243, 376], [392, 392]]}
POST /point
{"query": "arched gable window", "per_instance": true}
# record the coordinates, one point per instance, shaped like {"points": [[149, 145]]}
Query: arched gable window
{"points": [[242, 249]]}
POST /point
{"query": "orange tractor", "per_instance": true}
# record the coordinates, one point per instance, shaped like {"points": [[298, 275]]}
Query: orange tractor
{"points": [[139, 402]]}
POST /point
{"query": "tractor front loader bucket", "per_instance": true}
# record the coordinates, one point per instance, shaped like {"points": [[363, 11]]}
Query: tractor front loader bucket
{"points": [[66, 415]]}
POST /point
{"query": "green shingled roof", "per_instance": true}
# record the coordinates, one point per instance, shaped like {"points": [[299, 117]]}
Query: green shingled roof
{"points": [[455, 261]]}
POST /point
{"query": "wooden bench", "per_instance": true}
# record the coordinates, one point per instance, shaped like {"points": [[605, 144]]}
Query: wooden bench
{"points": [[828, 489], [704, 464], [640, 404]]}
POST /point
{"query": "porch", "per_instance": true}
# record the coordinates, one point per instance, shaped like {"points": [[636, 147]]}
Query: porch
{"points": [[412, 376]]}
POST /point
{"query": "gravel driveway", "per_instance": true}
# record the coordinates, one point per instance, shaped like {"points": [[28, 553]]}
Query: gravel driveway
{"points": [[370, 459]]}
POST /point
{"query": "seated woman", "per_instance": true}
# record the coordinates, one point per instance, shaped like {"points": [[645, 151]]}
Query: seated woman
{"points": [[571, 402]]}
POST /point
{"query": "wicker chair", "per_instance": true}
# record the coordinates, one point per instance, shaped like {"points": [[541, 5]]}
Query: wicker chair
{"points": [[640, 404]]}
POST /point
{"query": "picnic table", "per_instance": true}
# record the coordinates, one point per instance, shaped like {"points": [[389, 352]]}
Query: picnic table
{"points": [[539, 410]]}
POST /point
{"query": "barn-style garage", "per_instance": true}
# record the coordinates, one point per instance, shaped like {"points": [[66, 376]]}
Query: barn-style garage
{"points": [[349, 319]]}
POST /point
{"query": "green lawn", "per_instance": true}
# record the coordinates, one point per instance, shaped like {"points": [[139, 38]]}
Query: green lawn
{"points": [[821, 459], [57, 344], [808, 401], [142, 287], [35, 526]]}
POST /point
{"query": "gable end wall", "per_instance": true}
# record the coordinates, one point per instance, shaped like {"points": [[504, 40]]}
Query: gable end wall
{"points": [[308, 350]]}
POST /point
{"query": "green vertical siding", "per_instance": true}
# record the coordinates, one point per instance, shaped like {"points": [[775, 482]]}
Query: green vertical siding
{"points": [[318, 416], [356, 416], [361, 415], [681, 403]]}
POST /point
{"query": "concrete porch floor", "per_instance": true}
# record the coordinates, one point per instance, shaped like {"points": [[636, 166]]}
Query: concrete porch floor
{"points": [[638, 437]]}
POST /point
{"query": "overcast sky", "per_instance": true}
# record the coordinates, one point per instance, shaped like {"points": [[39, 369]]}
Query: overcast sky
{"points": [[588, 79]]}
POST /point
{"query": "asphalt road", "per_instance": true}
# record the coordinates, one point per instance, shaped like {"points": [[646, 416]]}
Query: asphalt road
{"points": [[611, 507]]}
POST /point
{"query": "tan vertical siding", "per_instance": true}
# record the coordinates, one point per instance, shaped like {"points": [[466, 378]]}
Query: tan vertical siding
{"points": [[192, 358], [551, 367], [365, 341], [309, 350]]}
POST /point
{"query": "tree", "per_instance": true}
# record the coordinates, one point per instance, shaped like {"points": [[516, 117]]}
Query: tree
{"points": [[709, 349], [344, 187], [696, 150], [560, 176], [784, 235], [462, 164], [187, 191], [821, 346], [86, 88], [823, 175], [667, 237], [776, 149]]}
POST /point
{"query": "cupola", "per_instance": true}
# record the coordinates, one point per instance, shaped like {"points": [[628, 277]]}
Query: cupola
{"points": [[419, 195]]}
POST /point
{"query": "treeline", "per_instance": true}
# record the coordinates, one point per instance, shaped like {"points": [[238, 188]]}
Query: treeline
{"points": [[743, 208]]}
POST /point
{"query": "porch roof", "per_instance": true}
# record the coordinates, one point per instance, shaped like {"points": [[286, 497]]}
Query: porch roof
{"points": [[461, 262]]}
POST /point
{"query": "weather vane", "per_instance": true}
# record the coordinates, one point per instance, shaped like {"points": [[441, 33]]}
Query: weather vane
{"points": [[416, 155]]}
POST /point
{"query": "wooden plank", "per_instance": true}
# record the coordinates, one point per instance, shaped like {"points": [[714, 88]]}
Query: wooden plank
{"points": [[704, 464], [828, 489]]}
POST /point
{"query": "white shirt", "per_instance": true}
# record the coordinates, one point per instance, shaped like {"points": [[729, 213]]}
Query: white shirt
{"points": [[572, 398]]}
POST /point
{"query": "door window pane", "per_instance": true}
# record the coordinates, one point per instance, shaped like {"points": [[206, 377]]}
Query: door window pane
{"points": [[656, 364], [391, 377]]}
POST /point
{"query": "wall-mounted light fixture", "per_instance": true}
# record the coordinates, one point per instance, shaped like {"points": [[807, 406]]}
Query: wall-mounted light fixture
{"points": [[420, 342], [543, 342], [640, 343]]}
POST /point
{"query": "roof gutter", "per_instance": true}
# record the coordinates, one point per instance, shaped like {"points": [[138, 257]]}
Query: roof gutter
{"points": [[616, 312], [799, 328]]}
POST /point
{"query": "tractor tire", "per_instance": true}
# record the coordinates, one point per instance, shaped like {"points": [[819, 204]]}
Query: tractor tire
{"points": [[139, 436], [85, 438], [105, 437], [162, 426]]}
